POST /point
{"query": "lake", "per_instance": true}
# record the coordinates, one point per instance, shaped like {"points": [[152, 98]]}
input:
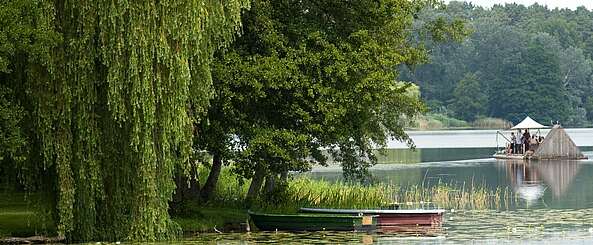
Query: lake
{"points": [[555, 197]]}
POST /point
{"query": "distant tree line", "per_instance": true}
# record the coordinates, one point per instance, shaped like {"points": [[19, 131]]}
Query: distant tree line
{"points": [[518, 61]]}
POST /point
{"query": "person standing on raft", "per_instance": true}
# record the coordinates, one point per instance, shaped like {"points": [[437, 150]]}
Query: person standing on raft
{"points": [[513, 143], [526, 140]]}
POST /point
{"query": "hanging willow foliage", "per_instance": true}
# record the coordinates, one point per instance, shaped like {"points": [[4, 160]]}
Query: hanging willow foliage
{"points": [[113, 99]]}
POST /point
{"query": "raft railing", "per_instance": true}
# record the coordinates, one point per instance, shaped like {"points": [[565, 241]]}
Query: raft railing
{"points": [[497, 145]]}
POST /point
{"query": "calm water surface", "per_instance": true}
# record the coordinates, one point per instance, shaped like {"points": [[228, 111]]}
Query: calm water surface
{"points": [[555, 207]]}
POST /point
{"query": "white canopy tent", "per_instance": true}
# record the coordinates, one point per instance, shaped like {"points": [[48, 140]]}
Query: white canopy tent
{"points": [[528, 123]]}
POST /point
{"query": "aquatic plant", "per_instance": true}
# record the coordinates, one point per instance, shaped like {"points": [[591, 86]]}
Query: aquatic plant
{"points": [[304, 191], [437, 121], [452, 196], [489, 122]]}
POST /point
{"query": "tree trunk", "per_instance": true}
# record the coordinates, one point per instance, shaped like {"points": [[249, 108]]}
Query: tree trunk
{"points": [[183, 191], [270, 183], [256, 183], [210, 184]]}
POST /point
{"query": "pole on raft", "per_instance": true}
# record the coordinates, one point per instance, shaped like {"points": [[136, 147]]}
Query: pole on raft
{"points": [[497, 148]]}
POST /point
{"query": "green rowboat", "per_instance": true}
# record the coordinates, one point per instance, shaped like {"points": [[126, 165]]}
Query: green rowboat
{"points": [[312, 222]]}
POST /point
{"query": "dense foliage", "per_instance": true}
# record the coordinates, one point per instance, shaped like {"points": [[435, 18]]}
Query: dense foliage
{"points": [[111, 90], [105, 104], [527, 61], [308, 76]]}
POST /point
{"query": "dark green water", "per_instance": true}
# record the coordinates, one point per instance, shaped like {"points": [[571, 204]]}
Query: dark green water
{"points": [[391, 156]]}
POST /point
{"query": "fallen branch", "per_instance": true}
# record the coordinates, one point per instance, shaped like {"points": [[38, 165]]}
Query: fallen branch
{"points": [[32, 240]]}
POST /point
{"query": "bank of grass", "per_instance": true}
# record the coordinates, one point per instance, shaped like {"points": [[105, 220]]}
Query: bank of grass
{"points": [[449, 196], [227, 207], [438, 121], [228, 211], [211, 219], [435, 121], [305, 192], [491, 123], [19, 218]]}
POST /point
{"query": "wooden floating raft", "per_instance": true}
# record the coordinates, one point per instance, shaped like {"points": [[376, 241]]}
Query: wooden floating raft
{"points": [[313, 222], [557, 145], [419, 220]]}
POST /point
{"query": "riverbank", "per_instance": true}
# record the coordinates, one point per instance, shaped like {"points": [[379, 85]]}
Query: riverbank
{"points": [[303, 191], [226, 211], [437, 121], [18, 218]]}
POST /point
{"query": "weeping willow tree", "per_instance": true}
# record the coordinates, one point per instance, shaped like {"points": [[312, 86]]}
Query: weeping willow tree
{"points": [[113, 89]]}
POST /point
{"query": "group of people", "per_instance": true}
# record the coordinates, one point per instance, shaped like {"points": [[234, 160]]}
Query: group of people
{"points": [[522, 143]]}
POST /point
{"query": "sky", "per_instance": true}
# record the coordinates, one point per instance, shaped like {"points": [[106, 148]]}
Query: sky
{"points": [[571, 4]]}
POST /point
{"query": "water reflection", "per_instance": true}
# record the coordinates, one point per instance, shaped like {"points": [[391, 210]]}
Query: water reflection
{"points": [[559, 197], [560, 194], [542, 184], [531, 179]]}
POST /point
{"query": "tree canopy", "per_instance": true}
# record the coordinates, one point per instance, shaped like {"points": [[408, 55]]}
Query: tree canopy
{"points": [[111, 90], [469, 98], [308, 80], [530, 60]]}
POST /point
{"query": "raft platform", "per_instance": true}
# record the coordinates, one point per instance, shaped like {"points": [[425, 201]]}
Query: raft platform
{"points": [[557, 145]]}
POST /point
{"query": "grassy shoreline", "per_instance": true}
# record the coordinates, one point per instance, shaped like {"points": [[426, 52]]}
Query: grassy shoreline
{"points": [[19, 218], [212, 219], [437, 121], [302, 191], [226, 211]]}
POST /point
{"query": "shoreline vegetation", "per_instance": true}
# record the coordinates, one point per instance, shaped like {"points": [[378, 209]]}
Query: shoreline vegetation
{"points": [[225, 212], [439, 121]]}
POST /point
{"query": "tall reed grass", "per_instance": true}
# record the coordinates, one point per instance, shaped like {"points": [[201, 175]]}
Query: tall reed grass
{"points": [[451, 196], [306, 192], [432, 121], [437, 121], [302, 191], [491, 123]]}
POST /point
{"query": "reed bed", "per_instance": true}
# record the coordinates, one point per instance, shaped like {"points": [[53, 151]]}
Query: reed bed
{"points": [[437, 121], [453, 197], [492, 123], [302, 191], [305, 192]]}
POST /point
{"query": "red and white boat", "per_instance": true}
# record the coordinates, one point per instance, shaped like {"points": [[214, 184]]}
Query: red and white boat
{"points": [[390, 220]]}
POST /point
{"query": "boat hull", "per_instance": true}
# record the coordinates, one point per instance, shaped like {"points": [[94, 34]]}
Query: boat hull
{"points": [[394, 220], [410, 222], [312, 222]]}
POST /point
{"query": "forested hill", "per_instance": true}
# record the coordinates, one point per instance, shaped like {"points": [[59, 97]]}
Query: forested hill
{"points": [[519, 60]]}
